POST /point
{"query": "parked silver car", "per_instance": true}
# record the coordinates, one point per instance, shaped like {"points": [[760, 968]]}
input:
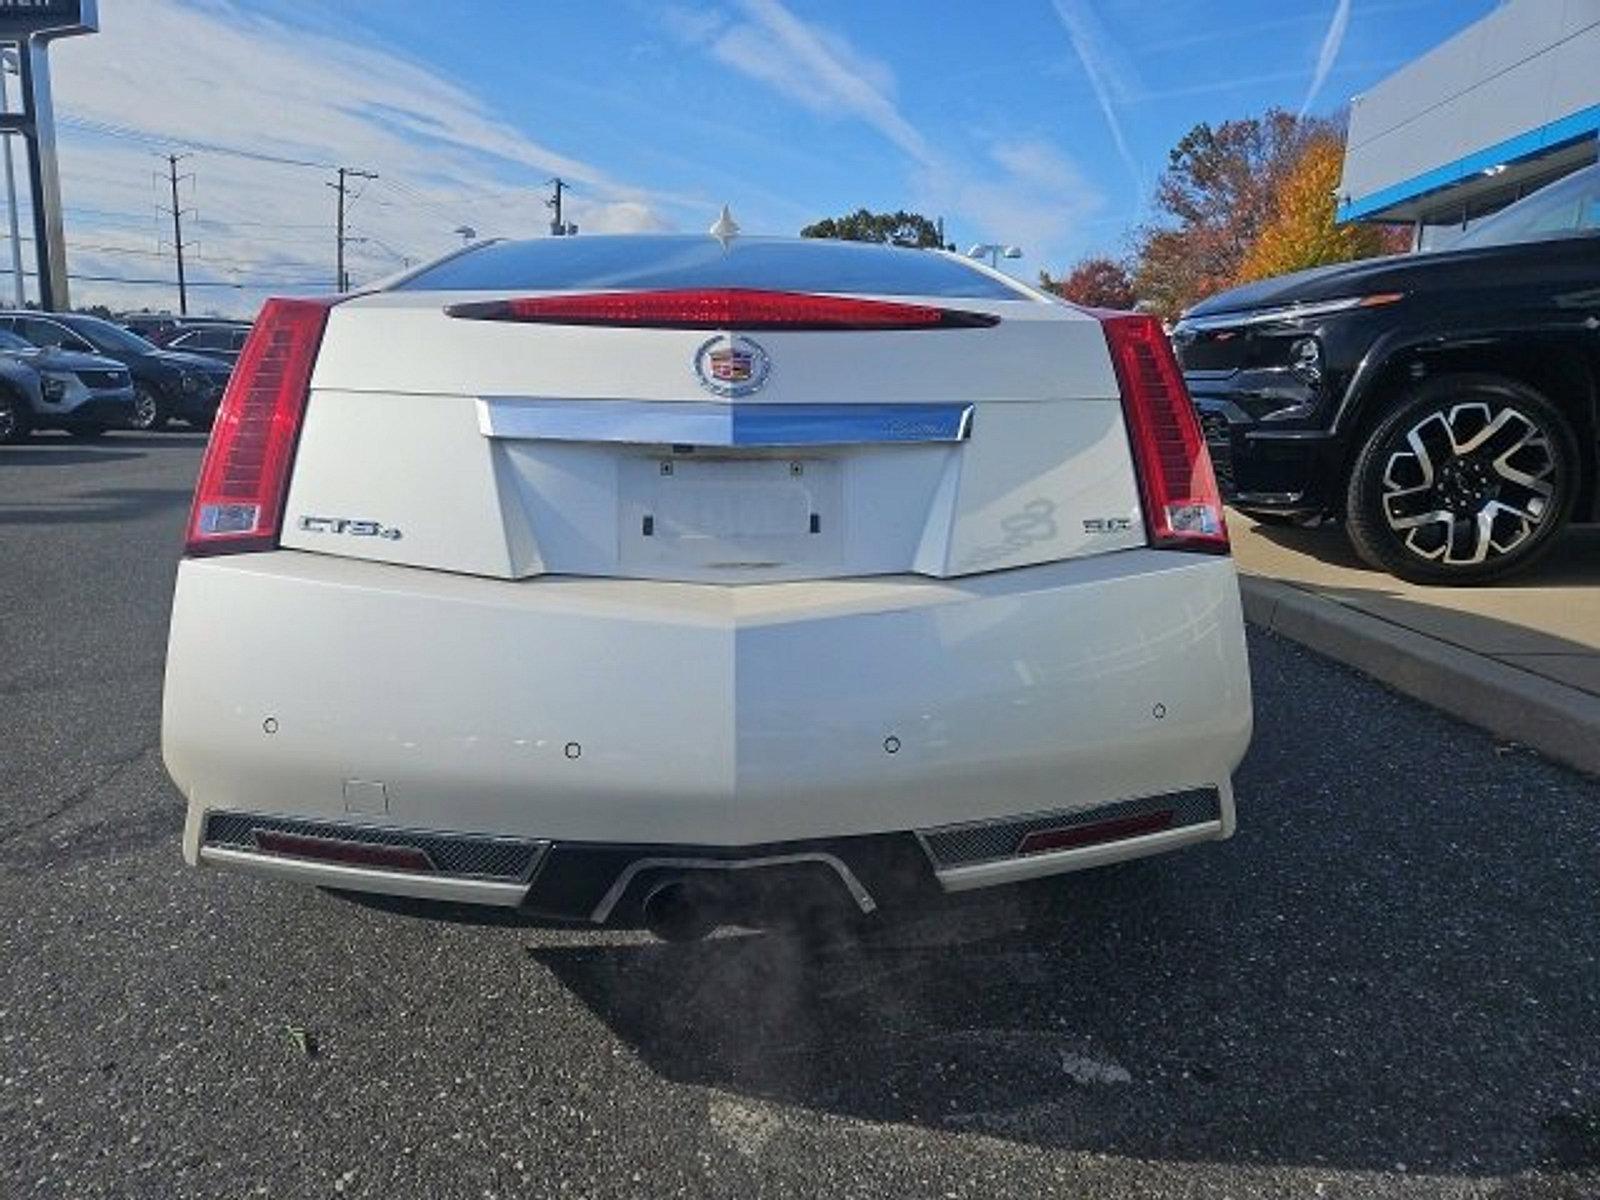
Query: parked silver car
{"points": [[85, 394]]}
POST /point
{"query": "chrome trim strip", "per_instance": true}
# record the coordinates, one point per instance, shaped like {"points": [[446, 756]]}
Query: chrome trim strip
{"points": [[1266, 316], [859, 894], [699, 423], [1054, 862], [456, 888]]}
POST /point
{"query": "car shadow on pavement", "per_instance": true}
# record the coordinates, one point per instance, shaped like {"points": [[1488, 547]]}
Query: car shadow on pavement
{"points": [[1359, 979], [1572, 562], [95, 506], [31, 456]]}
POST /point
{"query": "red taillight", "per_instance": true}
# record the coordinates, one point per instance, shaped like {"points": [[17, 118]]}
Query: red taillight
{"points": [[238, 503], [1115, 830], [355, 854], [1182, 506], [721, 308]]}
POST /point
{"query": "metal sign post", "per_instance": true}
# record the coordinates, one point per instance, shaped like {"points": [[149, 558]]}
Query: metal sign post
{"points": [[32, 25]]}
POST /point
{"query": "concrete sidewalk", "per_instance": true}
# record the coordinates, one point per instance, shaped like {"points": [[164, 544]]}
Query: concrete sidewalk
{"points": [[1521, 659]]}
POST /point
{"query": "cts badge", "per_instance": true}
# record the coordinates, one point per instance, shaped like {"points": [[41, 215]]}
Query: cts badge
{"points": [[731, 366], [348, 526]]}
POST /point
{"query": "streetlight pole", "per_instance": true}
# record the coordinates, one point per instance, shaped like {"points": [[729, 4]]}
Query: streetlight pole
{"points": [[994, 252]]}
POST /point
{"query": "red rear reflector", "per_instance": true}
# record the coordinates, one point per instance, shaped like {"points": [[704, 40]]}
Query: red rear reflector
{"points": [[721, 308], [1182, 506], [354, 854], [238, 502], [1114, 830]]}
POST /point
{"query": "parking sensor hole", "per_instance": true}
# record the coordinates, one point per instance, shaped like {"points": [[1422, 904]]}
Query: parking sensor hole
{"points": [[573, 750]]}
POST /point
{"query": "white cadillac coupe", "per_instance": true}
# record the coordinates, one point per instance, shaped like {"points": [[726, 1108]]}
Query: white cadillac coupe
{"points": [[638, 579]]}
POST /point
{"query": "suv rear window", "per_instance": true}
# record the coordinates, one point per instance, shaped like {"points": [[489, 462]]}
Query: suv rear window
{"points": [[620, 263]]}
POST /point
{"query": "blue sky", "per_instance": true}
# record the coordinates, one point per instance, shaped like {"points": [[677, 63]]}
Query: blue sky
{"points": [[1039, 122]]}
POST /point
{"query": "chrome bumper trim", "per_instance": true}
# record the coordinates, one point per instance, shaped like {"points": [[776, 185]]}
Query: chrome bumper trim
{"points": [[858, 893]]}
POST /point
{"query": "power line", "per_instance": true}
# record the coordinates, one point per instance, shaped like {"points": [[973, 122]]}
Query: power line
{"points": [[239, 285], [108, 129]]}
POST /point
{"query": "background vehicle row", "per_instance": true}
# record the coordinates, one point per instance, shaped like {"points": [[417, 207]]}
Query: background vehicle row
{"points": [[53, 388], [166, 384]]}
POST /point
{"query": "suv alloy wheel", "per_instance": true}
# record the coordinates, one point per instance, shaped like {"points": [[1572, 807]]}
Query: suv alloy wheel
{"points": [[1468, 479]]}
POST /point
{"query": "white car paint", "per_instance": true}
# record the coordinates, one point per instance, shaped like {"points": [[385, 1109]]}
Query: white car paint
{"points": [[975, 631]]}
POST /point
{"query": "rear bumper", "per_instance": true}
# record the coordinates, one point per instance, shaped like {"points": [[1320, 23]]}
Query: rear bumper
{"points": [[1263, 468], [676, 720], [197, 406]]}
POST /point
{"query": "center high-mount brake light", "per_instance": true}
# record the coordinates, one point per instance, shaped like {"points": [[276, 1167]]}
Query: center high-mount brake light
{"points": [[238, 502], [721, 308], [1182, 505]]}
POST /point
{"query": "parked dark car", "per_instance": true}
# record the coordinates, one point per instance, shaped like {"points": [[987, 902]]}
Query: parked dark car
{"points": [[220, 339], [148, 325], [167, 384], [1442, 405], [84, 394]]}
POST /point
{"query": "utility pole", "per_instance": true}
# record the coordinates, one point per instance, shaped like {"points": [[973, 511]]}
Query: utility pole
{"points": [[341, 281], [558, 227], [177, 232]]}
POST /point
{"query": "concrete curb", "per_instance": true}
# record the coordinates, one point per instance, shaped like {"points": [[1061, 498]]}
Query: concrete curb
{"points": [[1560, 722]]}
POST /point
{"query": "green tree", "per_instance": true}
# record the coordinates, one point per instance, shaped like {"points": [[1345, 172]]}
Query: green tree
{"points": [[901, 228], [1095, 282]]}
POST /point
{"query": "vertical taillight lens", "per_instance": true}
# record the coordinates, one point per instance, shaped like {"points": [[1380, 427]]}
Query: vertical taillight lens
{"points": [[1182, 506], [238, 503]]}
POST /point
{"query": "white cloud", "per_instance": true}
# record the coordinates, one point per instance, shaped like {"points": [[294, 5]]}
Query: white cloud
{"points": [[219, 75], [1332, 41], [811, 65], [1033, 197], [1110, 78], [1028, 191]]}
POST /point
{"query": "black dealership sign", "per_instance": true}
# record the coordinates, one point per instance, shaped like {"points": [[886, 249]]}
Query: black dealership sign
{"points": [[21, 19]]}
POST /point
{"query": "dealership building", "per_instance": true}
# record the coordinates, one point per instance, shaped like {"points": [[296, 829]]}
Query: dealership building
{"points": [[1502, 108]]}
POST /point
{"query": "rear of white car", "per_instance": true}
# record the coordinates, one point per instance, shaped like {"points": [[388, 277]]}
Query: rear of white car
{"points": [[583, 575]]}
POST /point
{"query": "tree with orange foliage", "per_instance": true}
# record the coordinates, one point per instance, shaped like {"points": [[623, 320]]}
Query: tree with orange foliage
{"points": [[1303, 230], [1096, 282], [1212, 202]]}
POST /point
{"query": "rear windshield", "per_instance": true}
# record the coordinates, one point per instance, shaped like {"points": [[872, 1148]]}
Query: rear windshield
{"points": [[781, 264]]}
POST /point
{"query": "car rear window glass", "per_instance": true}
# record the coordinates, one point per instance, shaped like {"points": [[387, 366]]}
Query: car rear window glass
{"points": [[781, 264]]}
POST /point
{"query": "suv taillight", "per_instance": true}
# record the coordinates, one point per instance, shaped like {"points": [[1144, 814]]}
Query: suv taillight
{"points": [[238, 502], [1182, 506]]}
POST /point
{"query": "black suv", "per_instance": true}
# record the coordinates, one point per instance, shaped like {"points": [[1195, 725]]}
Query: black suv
{"points": [[167, 384], [1444, 405]]}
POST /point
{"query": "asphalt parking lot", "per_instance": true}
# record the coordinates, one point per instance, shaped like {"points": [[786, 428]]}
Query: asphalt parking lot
{"points": [[1388, 984]]}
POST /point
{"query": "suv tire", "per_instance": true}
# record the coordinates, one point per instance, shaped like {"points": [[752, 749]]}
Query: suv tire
{"points": [[1468, 479]]}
